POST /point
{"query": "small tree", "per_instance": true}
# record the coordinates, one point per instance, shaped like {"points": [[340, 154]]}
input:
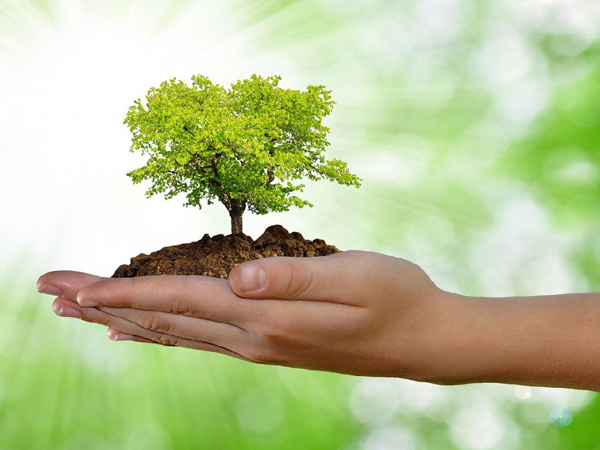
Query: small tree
{"points": [[244, 146]]}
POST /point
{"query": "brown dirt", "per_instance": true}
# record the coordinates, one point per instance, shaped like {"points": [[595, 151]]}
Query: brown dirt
{"points": [[216, 256]]}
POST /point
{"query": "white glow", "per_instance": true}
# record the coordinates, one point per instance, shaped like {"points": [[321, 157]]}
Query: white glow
{"points": [[483, 427], [403, 162], [521, 254], [421, 398], [102, 355], [64, 147], [374, 400], [578, 172], [523, 101], [390, 438], [386, 42], [504, 59], [578, 17], [438, 21]]}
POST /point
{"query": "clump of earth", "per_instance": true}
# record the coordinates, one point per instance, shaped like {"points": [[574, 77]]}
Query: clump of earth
{"points": [[216, 256]]}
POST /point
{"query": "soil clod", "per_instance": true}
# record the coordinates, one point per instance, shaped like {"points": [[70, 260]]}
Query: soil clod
{"points": [[216, 256]]}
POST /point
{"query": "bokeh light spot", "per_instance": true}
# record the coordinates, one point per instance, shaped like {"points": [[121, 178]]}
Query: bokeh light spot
{"points": [[483, 426], [561, 417], [522, 392]]}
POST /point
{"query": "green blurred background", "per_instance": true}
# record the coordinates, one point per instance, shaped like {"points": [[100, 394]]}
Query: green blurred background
{"points": [[474, 125]]}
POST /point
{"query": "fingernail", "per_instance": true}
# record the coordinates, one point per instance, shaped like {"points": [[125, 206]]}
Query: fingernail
{"points": [[66, 311], [50, 290], [252, 278], [118, 336], [87, 303]]}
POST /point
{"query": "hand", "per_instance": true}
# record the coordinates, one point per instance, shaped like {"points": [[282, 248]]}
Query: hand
{"points": [[354, 312]]}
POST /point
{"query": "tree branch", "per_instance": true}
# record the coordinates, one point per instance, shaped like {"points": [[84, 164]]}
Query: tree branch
{"points": [[271, 177]]}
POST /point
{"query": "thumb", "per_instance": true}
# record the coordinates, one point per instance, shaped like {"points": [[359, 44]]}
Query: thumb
{"points": [[285, 278]]}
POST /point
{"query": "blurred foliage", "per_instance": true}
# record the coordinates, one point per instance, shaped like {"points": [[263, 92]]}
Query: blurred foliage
{"points": [[560, 163]]}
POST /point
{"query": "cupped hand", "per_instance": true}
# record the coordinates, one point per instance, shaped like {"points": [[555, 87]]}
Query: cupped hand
{"points": [[354, 312]]}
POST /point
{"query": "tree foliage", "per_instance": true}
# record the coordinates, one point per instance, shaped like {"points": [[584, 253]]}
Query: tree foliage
{"points": [[247, 146]]}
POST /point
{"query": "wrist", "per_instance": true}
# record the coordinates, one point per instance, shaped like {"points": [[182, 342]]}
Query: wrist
{"points": [[478, 345], [538, 341], [453, 350], [443, 341]]}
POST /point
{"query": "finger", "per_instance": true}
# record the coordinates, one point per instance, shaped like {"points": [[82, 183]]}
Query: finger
{"points": [[196, 296], [185, 327], [322, 278], [64, 308], [65, 283], [116, 335], [94, 315], [192, 328]]}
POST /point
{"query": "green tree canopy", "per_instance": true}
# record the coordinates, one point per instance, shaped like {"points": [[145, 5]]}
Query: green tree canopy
{"points": [[246, 146]]}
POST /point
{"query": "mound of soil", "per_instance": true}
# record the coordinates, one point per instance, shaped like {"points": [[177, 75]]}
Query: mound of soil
{"points": [[216, 256]]}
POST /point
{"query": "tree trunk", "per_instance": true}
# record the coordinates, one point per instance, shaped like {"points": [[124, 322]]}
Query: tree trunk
{"points": [[235, 213], [236, 223]]}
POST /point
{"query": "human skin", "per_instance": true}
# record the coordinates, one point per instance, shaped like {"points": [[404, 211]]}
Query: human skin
{"points": [[359, 313]]}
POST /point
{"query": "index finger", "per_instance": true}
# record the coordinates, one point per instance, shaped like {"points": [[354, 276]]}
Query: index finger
{"points": [[65, 283], [197, 296]]}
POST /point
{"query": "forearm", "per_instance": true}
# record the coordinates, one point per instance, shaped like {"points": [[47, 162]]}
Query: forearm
{"points": [[538, 341]]}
